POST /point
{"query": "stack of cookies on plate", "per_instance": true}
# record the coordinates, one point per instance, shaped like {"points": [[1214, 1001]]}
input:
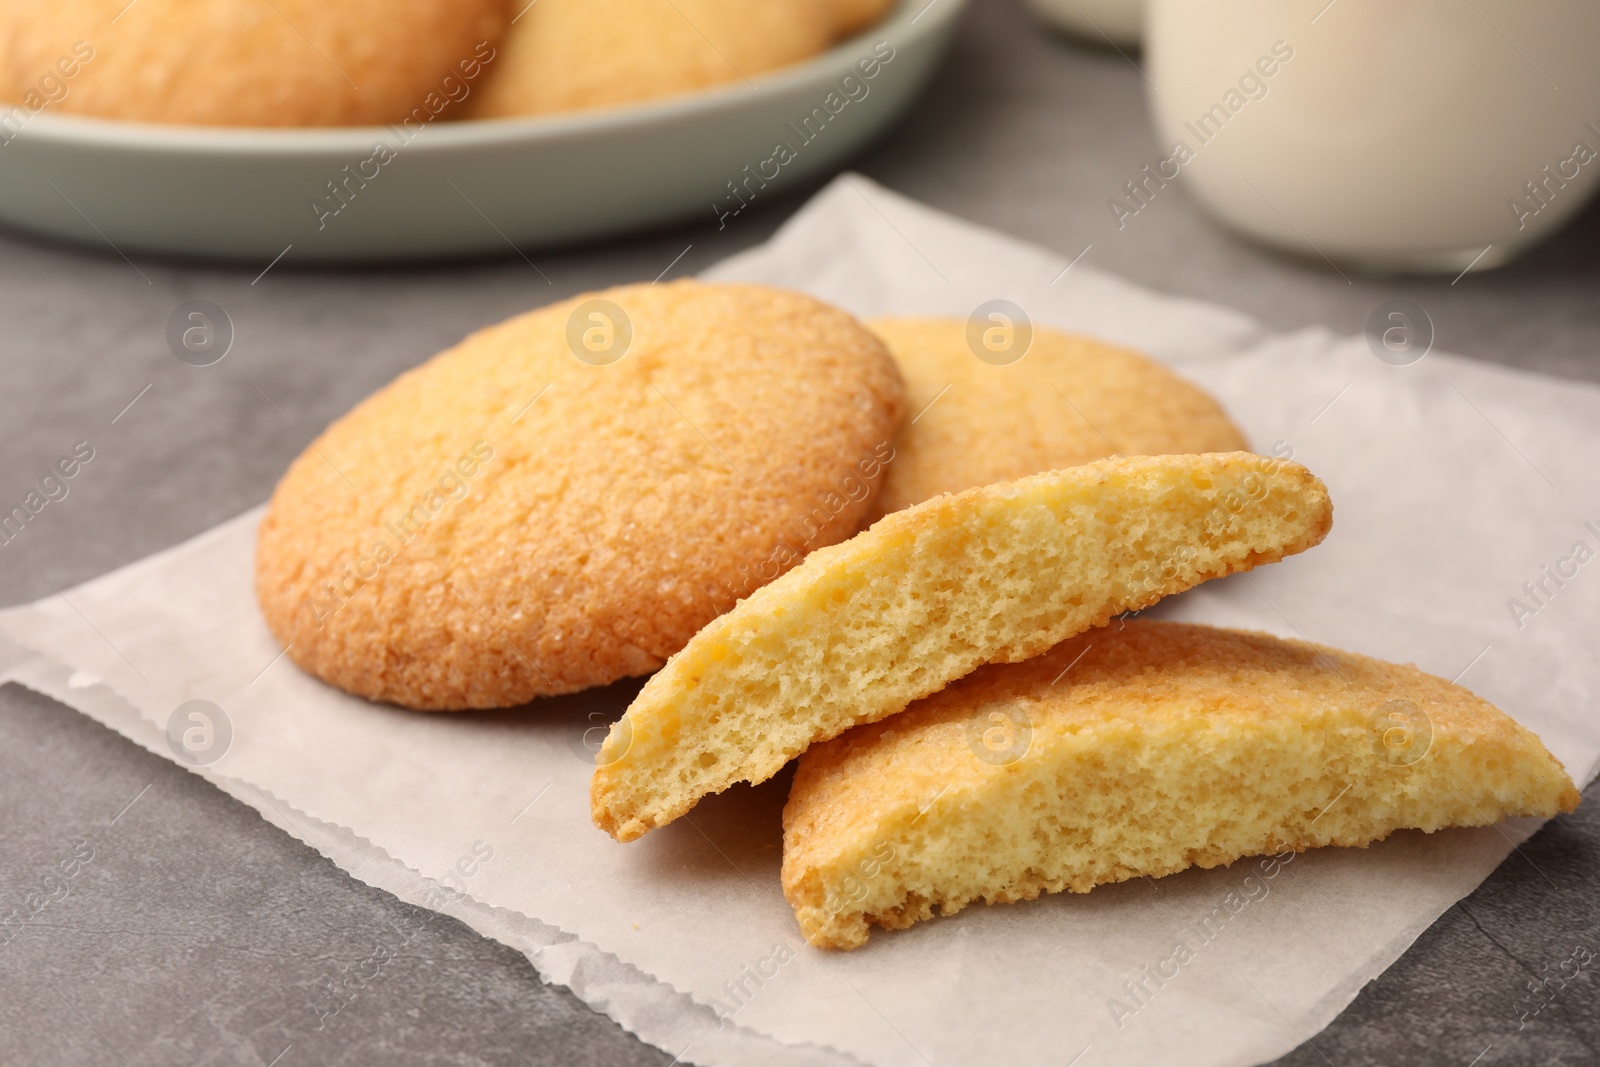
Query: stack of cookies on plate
{"points": [[373, 62], [868, 550]]}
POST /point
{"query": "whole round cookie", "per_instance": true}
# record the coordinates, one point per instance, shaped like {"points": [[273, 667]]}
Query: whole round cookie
{"points": [[247, 62], [564, 499], [985, 414], [569, 55]]}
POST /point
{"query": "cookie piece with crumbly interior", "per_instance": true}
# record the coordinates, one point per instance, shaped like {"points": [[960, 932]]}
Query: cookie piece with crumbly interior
{"points": [[1067, 400], [1141, 748], [994, 574], [572, 55], [248, 62], [564, 499]]}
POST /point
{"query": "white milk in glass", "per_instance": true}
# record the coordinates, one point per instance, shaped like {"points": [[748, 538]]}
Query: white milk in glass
{"points": [[1392, 134]]}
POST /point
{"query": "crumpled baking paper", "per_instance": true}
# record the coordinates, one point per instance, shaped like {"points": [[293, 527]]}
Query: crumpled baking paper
{"points": [[1461, 491]]}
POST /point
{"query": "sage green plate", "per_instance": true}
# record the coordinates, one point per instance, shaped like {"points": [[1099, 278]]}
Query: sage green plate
{"points": [[462, 188]]}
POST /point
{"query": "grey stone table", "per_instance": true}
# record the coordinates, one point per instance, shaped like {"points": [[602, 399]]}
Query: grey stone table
{"points": [[198, 933]]}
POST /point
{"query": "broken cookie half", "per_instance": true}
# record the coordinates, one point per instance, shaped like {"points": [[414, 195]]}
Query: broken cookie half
{"points": [[1140, 748], [999, 573]]}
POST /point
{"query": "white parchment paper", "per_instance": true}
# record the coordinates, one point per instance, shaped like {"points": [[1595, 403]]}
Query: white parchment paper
{"points": [[1454, 483]]}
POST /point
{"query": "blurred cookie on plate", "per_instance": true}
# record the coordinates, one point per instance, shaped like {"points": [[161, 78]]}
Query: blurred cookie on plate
{"points": [[248, 62], [564, 499], [850, 17], [572, 55], [1032, 404]]}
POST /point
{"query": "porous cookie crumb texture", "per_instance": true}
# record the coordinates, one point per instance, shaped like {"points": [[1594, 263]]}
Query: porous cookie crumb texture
{"points": [[994, 574], [1067, 400], [564, 499], [1140, 748]]}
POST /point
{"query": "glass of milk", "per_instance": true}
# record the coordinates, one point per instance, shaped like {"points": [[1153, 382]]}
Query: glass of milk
{"points": [[1409, 135]]}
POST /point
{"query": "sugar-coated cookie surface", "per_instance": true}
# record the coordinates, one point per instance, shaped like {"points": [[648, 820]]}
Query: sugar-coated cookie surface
{"points": [[509, 520], [247, 62], [1068, 400], [993, 574], [570, 55], [1140, 748]]}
